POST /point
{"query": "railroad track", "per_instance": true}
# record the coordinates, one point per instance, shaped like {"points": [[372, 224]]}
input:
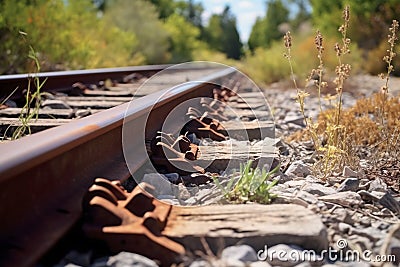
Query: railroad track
{"points": [[45, 177]]}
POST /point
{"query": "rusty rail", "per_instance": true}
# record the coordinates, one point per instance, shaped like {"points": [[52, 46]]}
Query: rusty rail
{"points": [[62, 80], [44, 177]]}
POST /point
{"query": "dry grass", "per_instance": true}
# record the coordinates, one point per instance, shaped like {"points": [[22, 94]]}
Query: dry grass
{"points": [[371, 127]]}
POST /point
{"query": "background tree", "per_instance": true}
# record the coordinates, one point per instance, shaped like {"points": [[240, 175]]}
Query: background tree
{"points": [[183, 38], [222, 35], [141, 18], [369, 19], [267, 29]]}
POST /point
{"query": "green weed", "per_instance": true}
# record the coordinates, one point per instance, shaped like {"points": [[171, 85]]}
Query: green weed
{"points": [[253, 185], [33, 96]]}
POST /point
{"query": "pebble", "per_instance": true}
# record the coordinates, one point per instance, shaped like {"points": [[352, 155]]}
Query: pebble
{"points": [[318, 189], [55, 104], [200, 263], [259, 264], [348, 172], [160, 183], [281, 255], [389, 202], [124, 259], [307, 197], [349, 184], [243, 253], [346, 198], [377, 185], [367, 196], [172, 177], [298, 168]]}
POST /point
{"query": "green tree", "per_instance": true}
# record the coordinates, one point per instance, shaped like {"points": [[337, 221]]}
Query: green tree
{"points": [[83, 42], [369, 19], [222, 35], [183, 38], [257, 38], [165, 8], [266, 29], [140, 18], [302, 15]]}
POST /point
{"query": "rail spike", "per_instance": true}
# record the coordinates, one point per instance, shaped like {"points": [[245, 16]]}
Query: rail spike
{"points": [[131, 222]]}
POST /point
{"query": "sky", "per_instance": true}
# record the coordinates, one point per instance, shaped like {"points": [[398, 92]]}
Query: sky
{"points": [[246, 12]]}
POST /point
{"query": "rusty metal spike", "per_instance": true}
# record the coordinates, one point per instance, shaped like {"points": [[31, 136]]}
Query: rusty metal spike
{"points": [[135, 224]]}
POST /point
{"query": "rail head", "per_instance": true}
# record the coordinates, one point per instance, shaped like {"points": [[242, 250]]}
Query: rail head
{"points": [[27, 152], [44, 176]]}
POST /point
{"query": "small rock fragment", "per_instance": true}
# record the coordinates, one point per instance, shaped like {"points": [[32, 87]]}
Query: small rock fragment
{"points": [[284, 255], [318, 189], [243, 253], [347, 198], [161, 184], [389, 202], [55, 104], [367, 196], [200, 263], [377, 185], [347, 172], [350, 184], [172, 177], [125, 259], [298, 168], [259, 264]]}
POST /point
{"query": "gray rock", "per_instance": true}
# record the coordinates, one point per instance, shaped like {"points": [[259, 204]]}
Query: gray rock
{"points": [[389, 202], [83, 113], [11, 104], [307, 197], [243, 253], [341, 215], [347, 198], [298, 168], [283, 178], [364, 184], [352, 264], [124, 259], [334, 181], [304, 264], [284, 255], [377, 185], [77, 258], [350, 184], [312, 179], [229, 263], [200, 263], [55, 104], [367, 196], [295, 119], [259, 264], [284, 199], [318, 189], [295, 183], [161, 184], [347, 172], [172, 177]]}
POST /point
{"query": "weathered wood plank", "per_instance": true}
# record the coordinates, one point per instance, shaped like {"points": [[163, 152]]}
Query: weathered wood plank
{"points": [[252, 224], [248, 130], [219, 155]]}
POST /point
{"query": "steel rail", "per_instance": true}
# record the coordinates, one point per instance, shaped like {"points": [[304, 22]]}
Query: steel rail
{"points": [[63, 80], [43, 177]]}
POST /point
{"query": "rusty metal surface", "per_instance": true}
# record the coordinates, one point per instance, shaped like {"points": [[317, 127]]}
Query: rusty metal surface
{"points": [[43, 177], [62, 80], [129, 221]]}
